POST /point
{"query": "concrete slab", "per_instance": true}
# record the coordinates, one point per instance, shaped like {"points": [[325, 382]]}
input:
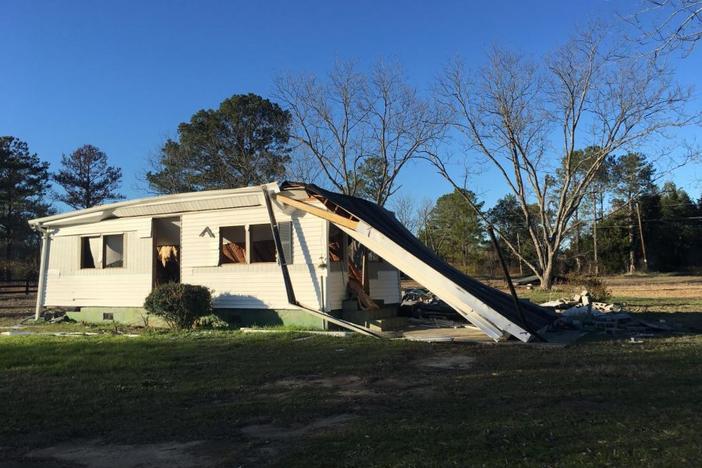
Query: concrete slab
{"points": [[457, 335]]}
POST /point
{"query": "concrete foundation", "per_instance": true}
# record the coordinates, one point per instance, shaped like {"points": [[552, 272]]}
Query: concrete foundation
{"points": [[236, 317]]}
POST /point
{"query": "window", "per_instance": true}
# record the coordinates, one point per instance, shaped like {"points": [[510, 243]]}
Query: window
{"points": [[232, 244], [89, 252], [336, 244], [258, 247], [114, 251], [102, 251], [262, 243]]}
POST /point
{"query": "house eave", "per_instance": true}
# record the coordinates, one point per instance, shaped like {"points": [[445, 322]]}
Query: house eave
{"points": [[160, 205]]}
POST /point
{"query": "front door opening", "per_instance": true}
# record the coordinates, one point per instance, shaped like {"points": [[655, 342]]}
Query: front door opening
{"points": [[167, 255]]}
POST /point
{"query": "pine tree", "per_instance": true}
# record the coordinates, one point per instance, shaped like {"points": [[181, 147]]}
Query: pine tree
{"points": [[243, 142], [23, 182], [87, 179]]}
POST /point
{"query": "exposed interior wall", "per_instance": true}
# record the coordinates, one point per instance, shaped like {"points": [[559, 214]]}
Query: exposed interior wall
{"points": [[384, 282]]}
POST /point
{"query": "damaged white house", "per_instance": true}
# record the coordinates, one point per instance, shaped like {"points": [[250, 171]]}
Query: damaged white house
{"points": [[271, 254]]}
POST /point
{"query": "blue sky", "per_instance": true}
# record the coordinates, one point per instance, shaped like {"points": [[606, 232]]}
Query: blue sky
{"points": [[121, 75]]}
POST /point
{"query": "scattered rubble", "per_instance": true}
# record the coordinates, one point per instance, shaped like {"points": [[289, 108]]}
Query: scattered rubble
{"points": [[421, 304], [582, 313]]}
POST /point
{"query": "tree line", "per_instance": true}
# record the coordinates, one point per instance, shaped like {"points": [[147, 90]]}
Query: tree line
{"points": [[84, 179], [627, 223], [550, 127]]}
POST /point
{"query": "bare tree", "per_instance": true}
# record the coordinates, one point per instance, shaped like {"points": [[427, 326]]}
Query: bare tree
{"points": [[405, 210], [303, 167], [527, 118], [361, 129], [432, 239], [669, 24]]}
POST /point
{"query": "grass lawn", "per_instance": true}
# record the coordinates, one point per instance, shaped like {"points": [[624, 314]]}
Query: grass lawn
{"points": [[290, 399]]}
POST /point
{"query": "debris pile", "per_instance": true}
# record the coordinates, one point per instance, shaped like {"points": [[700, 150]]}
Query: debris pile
{"points": [[57, 315], [420, 303], [582, 313]]}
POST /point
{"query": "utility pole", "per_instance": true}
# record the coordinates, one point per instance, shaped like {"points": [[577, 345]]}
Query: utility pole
{"points": [[519, 249], [594, 233], [641, 234], [632, 241], [578, 260]]}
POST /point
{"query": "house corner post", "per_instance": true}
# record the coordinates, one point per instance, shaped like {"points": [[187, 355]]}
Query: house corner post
{"points": [[41, 286]]}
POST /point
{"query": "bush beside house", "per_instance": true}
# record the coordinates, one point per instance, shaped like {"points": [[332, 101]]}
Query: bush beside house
{"points": [[179, 305]]}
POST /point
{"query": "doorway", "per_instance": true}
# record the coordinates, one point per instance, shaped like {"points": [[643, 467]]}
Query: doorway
{"points": [[167, 254]]}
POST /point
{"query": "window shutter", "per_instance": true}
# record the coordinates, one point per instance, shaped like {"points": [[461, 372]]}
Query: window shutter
{"points": [[285, 231]]}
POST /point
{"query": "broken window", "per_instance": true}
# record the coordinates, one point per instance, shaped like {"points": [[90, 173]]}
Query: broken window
{"points": [[262, 243], [114, 251], [336, 244], [89, 251], [232, 244]]}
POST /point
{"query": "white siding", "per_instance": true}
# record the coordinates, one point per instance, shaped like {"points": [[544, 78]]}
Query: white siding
{"points": [[68, 285], [258, 285]]}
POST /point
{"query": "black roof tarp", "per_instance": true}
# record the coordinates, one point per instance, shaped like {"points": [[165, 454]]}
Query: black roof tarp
{"points": [[384, 221]]}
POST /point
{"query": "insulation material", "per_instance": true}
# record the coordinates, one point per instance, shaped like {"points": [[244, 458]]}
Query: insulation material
{"points": [[167, 253]]}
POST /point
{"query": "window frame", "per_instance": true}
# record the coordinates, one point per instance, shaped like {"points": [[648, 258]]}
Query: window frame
{"points": [[100, 264], [247, 235]]}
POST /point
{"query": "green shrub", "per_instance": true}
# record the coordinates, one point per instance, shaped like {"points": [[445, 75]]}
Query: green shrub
{"points": [[212, 322], [180, 305]]}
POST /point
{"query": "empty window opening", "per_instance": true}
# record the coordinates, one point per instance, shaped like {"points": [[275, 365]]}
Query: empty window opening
{"points": [[114, 251], [232, 244], [336, 244], [89, 252], [262, 243]]}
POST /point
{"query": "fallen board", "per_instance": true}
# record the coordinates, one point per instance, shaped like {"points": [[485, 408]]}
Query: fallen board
{"points": [[488, 308]]}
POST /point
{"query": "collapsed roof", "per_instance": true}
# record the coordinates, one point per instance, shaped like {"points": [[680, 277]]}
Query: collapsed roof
{"points": [[490, 309]]}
